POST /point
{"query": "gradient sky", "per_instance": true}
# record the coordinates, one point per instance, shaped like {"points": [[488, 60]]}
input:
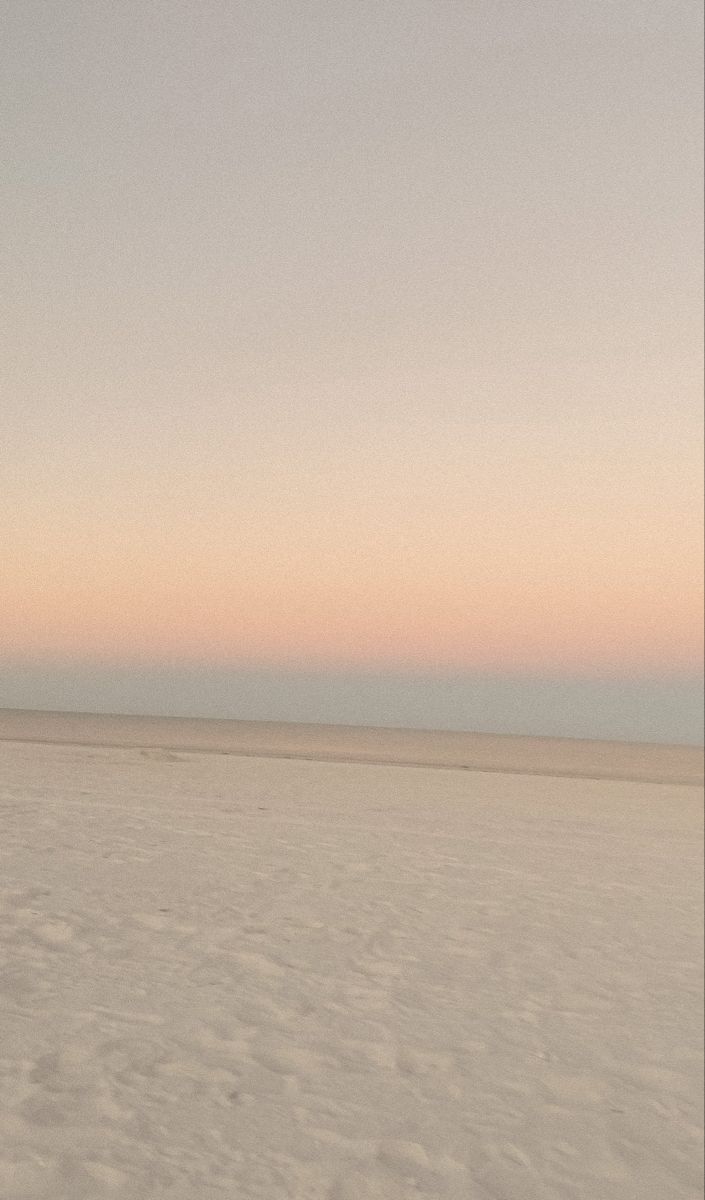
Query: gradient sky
{"points": [[351, 337]]}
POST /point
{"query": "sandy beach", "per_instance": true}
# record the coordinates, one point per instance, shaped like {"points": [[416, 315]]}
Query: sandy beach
{"points": [[269, 977]]}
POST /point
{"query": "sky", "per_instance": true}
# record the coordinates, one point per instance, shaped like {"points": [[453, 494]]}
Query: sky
{"points": [[356, 343]]}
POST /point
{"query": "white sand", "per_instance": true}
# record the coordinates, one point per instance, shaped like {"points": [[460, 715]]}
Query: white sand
{"points": [[254, 978]]}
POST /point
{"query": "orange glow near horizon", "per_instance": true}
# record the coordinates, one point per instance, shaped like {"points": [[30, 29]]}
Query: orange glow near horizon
{"points": [[524, 554], [130, 613]]}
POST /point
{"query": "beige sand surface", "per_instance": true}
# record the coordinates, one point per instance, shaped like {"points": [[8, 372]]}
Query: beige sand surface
{"points": [[568, 757], [264, 979]]}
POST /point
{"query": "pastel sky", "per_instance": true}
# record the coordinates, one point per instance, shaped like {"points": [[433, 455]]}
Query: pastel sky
{"points": [[352, 337]]}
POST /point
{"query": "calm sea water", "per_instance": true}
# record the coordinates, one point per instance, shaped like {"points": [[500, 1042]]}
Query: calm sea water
{"points": [[659, 709]]}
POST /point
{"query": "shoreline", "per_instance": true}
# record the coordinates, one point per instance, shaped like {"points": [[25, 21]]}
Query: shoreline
{"points": [[365, 746]]}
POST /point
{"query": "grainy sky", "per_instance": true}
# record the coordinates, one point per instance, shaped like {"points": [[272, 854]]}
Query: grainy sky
{"points": [[351, 337]]}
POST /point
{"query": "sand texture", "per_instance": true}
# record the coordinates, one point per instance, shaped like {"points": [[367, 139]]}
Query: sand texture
{"points": [[261, 978]]}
